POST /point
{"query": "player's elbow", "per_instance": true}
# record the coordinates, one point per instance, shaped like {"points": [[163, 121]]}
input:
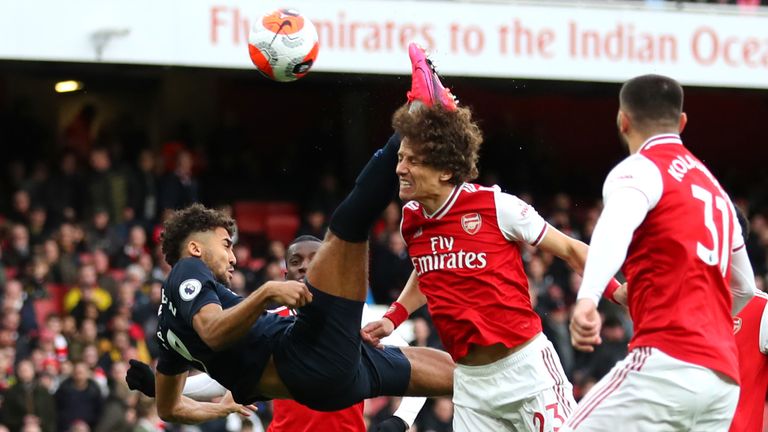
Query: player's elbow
{"points": [[214, 342]]}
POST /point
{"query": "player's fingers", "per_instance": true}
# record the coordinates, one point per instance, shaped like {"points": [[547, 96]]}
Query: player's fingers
{"points": [[253, 408]]}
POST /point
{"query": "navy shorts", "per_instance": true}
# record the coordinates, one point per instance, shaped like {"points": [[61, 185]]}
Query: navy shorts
{"points": [[324, 363]]}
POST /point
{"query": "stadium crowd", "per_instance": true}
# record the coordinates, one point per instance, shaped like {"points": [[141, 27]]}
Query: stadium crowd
{"points": [[81, 277]]}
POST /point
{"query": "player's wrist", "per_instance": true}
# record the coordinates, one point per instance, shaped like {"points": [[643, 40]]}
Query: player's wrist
{"points": [[397, 313], [610, 290]]}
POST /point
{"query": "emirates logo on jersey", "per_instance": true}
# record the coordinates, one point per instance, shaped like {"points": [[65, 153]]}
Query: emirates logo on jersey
{"points": [[471, 222], [736, 325]]}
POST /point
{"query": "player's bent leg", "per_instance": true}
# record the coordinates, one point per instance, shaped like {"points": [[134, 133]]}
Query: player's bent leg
{"points": [[340, 268], [431, 372]]}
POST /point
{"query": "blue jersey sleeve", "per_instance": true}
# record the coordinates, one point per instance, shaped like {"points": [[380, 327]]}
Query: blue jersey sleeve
{"points": [[194, 287]]}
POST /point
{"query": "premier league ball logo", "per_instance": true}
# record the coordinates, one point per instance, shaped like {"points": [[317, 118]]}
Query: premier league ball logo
{"points": [[189, 289]]}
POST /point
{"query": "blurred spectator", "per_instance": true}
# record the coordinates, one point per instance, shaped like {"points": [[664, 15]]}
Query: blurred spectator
{"points": [[107, 189], [144, 195], [64, 191], [27, 402], [390, 268], [80, 132], [314, 223], [38, 227], [147, 419], [243, 265], [438, 417], [100, 234], [118, 414], [612, 350], [78, 398], [104, 278], [36, 278], [18, 250], [88, 335], [178, 189], [86, 291], [134, 248], [20, 207]]}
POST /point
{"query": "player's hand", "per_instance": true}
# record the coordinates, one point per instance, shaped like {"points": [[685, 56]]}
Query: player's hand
{"points": [[375, 331], [620, 295], [140, 377], [392, 424], [288, 293], [229, 404], [585, 326]]}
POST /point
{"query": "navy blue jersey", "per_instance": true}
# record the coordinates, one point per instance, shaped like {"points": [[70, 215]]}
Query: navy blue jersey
{"points": [[190, 286]]}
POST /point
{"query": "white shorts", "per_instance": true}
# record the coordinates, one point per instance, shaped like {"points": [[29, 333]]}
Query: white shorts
{"points": [[526, 391], [651, 391]]}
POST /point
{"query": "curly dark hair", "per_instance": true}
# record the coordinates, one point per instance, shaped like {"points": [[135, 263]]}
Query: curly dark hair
{"points": [[193, 219], [447, 140]]}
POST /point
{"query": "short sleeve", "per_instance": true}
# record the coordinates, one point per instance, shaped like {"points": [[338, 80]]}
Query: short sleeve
{"points": [[636, 172], [764, 330], [170, 363], [194, 288], [519, 221]]}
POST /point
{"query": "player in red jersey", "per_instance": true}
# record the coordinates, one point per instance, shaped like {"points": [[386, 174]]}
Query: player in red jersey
{"points": [[291, 416], [464, 242], [751, 329], [667, 219]]}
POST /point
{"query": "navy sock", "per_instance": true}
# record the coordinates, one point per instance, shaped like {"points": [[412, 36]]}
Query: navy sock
{"points": [[374, 189]]}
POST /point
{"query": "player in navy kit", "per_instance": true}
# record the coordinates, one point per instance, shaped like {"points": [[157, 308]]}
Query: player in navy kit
{"points": [[315, 358]]}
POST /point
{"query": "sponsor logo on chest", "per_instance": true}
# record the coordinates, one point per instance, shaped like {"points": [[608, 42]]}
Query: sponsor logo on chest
{"points": [[444, 255]]}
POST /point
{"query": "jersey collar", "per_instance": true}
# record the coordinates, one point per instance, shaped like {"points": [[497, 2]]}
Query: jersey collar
{"points": [[446, 207], [661, 139]]}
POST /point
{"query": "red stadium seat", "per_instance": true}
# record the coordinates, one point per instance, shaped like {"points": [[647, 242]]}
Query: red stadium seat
{"points": [[282, 227], [250, 216], [43, 308]]}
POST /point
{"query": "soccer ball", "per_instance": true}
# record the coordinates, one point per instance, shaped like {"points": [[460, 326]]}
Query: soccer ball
{"points": [[283, 45]]}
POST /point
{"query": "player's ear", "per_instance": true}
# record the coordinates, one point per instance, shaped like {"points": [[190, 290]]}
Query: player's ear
{"points": [[683, 122], [622, 122], [195, 248], [446, 176]]}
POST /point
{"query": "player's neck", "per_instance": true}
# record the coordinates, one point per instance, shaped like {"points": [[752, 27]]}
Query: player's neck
{"points": [[434, 201], [637, 140]]}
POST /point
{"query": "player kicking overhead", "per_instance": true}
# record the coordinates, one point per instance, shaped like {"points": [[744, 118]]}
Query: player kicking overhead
{"points": [[291, 416], [669, 222], [464, 241], [315, 358]]}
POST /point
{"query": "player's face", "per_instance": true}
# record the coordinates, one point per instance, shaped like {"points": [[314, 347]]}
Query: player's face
{"points": [[219, 256], [418, 181], [298, 257]]}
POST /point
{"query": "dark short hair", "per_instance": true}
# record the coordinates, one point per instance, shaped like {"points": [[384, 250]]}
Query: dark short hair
{"points": [[193, 219], [447, 140], [305, 238], [652, 100]]}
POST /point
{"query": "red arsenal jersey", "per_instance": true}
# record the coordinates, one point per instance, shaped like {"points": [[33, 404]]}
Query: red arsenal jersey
{"points": [[291, 416], [469, 267], [678, 263], [751, 329]]}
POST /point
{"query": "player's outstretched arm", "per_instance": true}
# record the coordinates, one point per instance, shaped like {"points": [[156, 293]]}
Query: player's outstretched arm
{"points": [[200, 387], [172, 406], [742, 280], [410, 299], [219, 328]]}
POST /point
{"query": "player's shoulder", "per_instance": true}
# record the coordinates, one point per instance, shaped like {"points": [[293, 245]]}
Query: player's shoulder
{"points": [[191, 273]]}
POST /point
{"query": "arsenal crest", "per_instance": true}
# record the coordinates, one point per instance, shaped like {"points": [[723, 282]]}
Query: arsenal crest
{"points": [[736, 324], [471, 222]]}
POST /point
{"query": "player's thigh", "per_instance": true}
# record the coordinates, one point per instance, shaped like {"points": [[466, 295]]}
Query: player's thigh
{"points": [[431, 372], [717, 415], [340, 268], [470, 420], [641, 393]]}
